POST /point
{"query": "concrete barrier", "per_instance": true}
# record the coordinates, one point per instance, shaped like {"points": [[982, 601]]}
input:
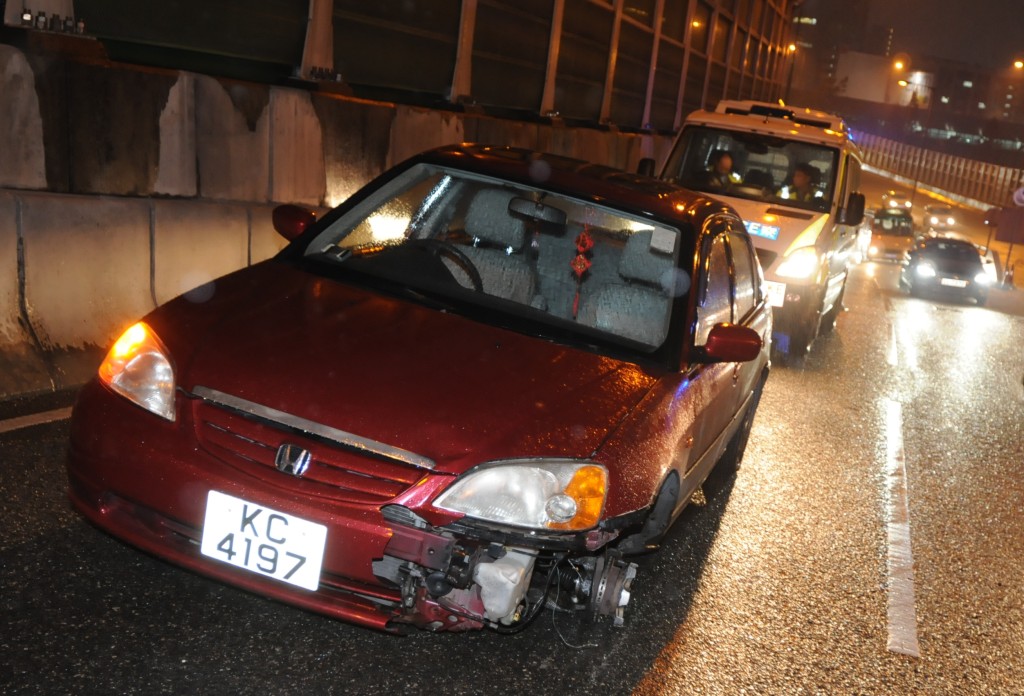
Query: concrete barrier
{"points": [[297, 158], [23, 158], [176, 174], [23, 369], [232, 140], [194, 243], [86, 270], [264, 241]]}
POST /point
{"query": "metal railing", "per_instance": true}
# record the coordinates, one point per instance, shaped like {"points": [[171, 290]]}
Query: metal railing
{"points": [[972, 182]]}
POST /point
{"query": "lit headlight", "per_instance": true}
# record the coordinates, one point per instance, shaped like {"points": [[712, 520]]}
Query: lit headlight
{"points": [[540, 494], [950, 221], [934, 220], [138, 368], [925, 270], [802, 263], [983, 278]]}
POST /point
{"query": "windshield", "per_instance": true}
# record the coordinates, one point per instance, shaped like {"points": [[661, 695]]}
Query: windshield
{"points": [[754, 166], [514, 249], [953, 251]]}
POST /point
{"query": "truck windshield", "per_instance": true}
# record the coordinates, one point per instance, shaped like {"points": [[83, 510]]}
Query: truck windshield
{"points": [[754, 166]]}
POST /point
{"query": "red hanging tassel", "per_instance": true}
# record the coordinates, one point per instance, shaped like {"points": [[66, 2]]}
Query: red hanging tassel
{"points": [[581, 264]]}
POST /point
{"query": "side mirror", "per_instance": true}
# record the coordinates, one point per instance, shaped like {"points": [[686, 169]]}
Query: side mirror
{"points": [[291, 221], [853, 213], [645, 167], [732, 343]]}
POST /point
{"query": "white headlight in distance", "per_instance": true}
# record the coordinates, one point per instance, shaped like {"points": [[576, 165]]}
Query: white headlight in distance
{"points": [[540, 494], [138, 368]]}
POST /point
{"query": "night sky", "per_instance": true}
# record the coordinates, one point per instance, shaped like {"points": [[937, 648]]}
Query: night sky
{"points": [[988, 33]]}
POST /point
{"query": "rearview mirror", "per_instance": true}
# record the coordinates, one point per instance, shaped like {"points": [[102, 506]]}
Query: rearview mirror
{"points": [[645, 167], [732, 343], [291, 221], [534, 210]]}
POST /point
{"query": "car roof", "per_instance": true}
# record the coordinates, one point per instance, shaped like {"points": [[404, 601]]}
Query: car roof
{"points": [[596, 183]]}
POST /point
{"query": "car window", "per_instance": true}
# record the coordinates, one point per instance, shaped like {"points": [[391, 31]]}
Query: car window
{"points": [[716, 305], [743, 272], [952, 250], [763, 167], [543, 255]]}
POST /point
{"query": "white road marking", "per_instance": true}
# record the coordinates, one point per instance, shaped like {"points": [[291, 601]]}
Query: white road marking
{"points": [[902, 616], [893, 356], [20, 422]]}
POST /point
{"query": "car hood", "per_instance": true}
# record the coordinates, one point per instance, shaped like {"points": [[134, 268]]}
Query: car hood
{"points": [[406, 375]]}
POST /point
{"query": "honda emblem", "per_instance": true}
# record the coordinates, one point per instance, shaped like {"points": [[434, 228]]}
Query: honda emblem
{"points": [[292, 459]]}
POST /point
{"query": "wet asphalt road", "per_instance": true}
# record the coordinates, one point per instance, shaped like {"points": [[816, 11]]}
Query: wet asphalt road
{"points": [[778, 586]]}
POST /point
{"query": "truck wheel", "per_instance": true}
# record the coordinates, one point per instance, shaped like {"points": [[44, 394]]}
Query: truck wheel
{"points": [[828, 322]]}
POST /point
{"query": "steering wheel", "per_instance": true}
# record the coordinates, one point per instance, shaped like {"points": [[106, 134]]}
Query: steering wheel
{"points": [[457, 255]]}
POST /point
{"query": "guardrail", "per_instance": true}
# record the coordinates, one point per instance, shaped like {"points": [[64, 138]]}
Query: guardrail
{"points": [[970, 182]]}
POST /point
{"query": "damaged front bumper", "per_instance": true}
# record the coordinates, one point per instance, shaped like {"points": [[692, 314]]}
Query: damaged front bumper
{"points": [[462, 577]]}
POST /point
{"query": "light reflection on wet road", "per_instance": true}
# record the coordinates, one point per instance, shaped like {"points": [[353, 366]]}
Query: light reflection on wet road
{"points": [[800, 604]]}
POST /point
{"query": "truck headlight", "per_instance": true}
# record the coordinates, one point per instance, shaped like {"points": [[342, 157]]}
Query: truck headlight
{"points": [[138, 368], [800, 263], [544, 494]]}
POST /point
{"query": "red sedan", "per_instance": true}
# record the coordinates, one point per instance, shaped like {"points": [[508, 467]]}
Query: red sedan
{"points": [[473, 390]]}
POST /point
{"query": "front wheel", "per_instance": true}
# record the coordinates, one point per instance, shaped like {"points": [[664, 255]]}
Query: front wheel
{"points": [[733, 454], [828, 321]]}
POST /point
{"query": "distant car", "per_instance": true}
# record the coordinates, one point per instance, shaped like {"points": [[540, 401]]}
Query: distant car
{"points": [[895, 199], [939, 217], [892, 234], [944, 266], [474, 390]]}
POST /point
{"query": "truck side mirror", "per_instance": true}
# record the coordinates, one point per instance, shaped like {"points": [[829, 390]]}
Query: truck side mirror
{"points": [[853, 213], [646, 167]]}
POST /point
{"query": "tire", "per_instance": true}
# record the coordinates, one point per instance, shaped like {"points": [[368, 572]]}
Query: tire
{"points": [[730, 460], [828, 321]]}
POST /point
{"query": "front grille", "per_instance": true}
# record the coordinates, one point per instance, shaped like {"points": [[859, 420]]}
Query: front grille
{"points": [[250, 443]]}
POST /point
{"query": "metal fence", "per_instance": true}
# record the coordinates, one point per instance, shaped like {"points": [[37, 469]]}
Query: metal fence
{"points": [[980, 183]]}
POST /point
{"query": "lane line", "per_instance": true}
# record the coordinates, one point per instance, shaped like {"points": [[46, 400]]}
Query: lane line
{"points": [[893, 356], [902, 616], [20, 422]]}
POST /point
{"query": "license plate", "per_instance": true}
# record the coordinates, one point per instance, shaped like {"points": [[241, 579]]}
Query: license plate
{"points": [[776, 293], [954, 283], [263, 540]]}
